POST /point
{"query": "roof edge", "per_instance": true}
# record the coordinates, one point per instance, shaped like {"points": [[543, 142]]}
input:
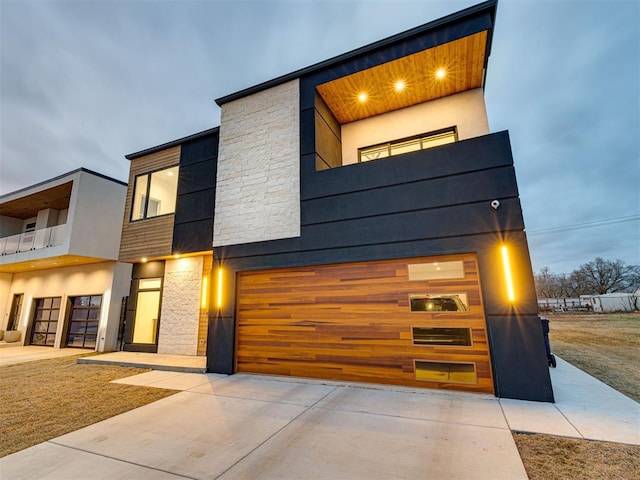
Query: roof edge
{"points": [[490, 5], [172, 143], [60, 177]]}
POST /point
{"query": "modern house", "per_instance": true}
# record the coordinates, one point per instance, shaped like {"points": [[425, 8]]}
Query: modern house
{"points": [[353, 220], [60, 282], [167, 236]]}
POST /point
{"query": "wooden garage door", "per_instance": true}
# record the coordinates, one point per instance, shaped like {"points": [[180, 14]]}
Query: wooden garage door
{"points": [[417, 322]]}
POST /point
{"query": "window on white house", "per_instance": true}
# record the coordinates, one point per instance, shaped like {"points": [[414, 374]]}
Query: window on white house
{"points": [[406, 145], [154, 194]]}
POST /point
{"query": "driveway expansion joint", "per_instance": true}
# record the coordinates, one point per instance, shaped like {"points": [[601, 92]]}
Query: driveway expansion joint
{"points": [[90, 452]]}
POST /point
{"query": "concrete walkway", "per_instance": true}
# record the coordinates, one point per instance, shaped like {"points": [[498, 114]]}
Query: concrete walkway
{"points": [[585, 408], [12, 354], [172, 363], [259, 427]]}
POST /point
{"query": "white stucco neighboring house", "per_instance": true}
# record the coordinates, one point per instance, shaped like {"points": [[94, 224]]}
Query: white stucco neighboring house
{"points": [[61, 284]]}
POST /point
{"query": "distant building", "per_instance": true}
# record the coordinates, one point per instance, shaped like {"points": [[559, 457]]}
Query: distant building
{"points": [[353, 220], [60, 282], [565, 304], [616, 302]]}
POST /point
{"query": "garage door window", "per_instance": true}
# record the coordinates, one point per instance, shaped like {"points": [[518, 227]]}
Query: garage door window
{"points": [[454, 302], [84, 321], [436, 270], [45, 321], [442, 336], [445, 372]]}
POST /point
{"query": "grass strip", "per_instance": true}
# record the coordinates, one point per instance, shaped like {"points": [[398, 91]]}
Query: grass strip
{"points": [[48, 398]]}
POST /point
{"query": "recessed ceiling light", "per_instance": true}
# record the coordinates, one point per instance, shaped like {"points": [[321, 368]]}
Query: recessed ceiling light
{"points": [[441, 73], [143, 259], [362, 97], [399, 85], [176, 255]]}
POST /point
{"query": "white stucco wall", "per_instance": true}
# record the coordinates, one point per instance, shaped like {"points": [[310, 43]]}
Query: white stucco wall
{"points": [[5, 299], [465, 110], [109, 279], [112, 305], [180, 309], [95, 216], [258, 178]]}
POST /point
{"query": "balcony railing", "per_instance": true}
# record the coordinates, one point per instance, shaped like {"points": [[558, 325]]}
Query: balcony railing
{"points": [[24, 242]]}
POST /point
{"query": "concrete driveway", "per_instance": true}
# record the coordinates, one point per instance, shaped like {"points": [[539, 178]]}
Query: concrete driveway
{"points": [[258, 427], [253, 427]]}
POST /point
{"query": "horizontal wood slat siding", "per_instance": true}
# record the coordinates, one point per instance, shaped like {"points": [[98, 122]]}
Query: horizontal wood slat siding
{"points": [[151, 237], [352, 322]]}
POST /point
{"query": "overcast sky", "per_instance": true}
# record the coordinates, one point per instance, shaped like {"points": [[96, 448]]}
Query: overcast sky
{"points": [[83, 83]]}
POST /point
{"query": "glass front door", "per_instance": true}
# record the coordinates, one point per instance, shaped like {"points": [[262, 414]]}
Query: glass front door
{"points": [[144, 319]]}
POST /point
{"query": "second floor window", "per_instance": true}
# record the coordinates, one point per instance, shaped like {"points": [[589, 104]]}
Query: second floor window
{"points": [[411, 144], [154, 193]]}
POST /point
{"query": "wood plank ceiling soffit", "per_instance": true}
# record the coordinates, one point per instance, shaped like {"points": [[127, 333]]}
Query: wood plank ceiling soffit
{"points": [[29, 205], [462, 61]]}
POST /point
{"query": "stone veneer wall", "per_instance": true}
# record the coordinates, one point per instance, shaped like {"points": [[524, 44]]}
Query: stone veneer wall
{"points": [[180, 311], [258, 179]]}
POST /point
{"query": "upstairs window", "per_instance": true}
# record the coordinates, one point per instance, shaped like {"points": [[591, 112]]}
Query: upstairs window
{"points": [[154, 194], [406, 145]]}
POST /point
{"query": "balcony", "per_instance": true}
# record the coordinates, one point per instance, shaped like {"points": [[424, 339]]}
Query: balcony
{"points": [[38, 239]]}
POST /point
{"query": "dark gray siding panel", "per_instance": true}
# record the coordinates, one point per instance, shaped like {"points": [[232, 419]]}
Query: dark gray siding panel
{"points": [[195, 202], [193, 236], [468, 219], [519, 358], [197, 176], [205, 148], [443, 223], [221, 358], [196, 206], [475, 154], [481, 186]]}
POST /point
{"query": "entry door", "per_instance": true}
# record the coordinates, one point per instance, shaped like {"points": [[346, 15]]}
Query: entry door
{"points": [[16, 309], [142, 330]]}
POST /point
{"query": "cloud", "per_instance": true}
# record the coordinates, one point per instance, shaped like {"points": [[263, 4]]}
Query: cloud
{"points": [[85, 83]]}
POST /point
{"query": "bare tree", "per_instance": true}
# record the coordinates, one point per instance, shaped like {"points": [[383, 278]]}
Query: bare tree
{"points": [[553, 285], [546, 283], [603, 276], [569, 286], [596, 277]]}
